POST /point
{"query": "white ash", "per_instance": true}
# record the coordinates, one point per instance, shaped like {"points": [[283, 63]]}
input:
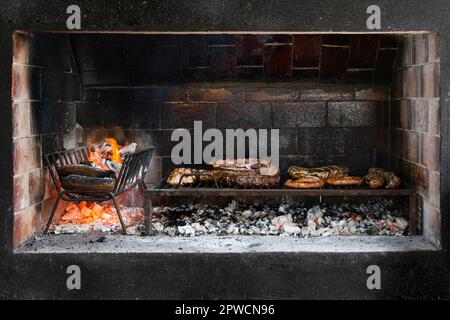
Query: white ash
{"points": [[382, 217]]}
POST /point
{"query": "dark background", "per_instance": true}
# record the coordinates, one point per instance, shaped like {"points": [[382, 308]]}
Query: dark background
{"points": [[215, 276]]}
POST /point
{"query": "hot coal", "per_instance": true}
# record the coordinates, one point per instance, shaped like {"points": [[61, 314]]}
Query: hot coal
{"points": [[372, 218], [381, 217]]}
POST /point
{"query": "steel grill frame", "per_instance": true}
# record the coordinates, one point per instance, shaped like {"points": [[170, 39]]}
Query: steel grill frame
{"points": [[132, 173], [216, 190]]}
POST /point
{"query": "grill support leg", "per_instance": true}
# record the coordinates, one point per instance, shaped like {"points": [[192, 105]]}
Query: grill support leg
{"points": [[124, 230], [148, 213], [52, 214]]}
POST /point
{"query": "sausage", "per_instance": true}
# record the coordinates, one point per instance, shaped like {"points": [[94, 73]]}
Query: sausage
{"points": [[345, 181], [304, 183]]}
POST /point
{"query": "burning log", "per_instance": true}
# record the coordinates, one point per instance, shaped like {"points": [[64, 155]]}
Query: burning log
{"points": [[109, 155], [99, 174], [91, 184], [85, 170]]}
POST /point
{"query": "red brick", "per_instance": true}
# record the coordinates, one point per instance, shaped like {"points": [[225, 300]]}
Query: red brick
{"points": [[278, 62], [26, 155], [25, 83], [49, 188], [336, 39], [430, 152], [333, 62], [433, 47], [434, 117], [405, 52], [412, 82], [25, 224], [24, 122], [21, 192], [432, 223], [419, 49], [222, 62], [419, 115], [36, 186], [306, 51], [430, 80], [363, 51], [435, 189], [21, 48], [249, 50], [411, 146]]}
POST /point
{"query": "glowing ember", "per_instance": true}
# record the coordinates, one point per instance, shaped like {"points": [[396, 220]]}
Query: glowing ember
{"points": [[90, 212]]}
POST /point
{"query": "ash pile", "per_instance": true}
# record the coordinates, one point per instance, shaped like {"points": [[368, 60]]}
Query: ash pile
{"points": [[382, 217]]}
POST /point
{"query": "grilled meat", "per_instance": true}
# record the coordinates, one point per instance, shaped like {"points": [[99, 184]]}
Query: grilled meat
{"points": [[374, 180], [248, 166], [181, 176], [321, 172], [392, 180], [345, 181], [304, 183]]}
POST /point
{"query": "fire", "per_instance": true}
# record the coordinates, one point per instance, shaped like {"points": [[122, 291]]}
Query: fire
{"points": [[89, 212], [110, 150], [116, 156]]}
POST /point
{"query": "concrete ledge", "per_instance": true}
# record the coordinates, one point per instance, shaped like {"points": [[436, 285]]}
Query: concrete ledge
{"points": [[226, 244]]}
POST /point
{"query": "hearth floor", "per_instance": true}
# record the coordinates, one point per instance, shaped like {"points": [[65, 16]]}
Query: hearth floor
{"points": [[92, 243]]}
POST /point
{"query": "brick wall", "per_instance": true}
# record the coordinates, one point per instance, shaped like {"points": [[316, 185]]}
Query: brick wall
{"points": [[111, 59], [415, 132], [319, 124], [45, 87]]}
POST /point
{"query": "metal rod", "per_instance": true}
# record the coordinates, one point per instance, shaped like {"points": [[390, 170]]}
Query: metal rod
{"points": [[52, 215], [119, 214]]}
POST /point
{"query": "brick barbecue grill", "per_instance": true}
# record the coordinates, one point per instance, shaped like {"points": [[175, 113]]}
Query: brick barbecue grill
{"points": [[357, 98], [215, 189], [360, 100]]}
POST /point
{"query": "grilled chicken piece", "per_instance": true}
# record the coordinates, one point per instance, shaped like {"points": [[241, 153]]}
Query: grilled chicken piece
{"points": [[176, 177], [374, 180], [392, 180]]}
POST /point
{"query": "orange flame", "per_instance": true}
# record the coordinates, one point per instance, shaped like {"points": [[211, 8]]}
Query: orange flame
{"points": [[116, 156], [97, 154]]}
